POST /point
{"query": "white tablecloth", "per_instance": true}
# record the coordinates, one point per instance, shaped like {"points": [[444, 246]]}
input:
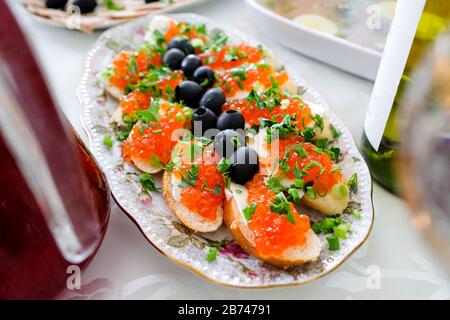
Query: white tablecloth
{"points": [[394, 263]]}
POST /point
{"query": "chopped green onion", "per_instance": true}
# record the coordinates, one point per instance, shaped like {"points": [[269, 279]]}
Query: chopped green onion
{"points": [[341, 230], [107, 141], [224, 165], [357, 214], [249, 211], [212, 254], [333, 243], [353, 182], [293, 195], [147, 182]]}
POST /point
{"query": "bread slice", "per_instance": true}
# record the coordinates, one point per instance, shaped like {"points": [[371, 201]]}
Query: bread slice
{"points": [[238, 227], [329, 204], [160, 23], [190, 219], [113, 91]]}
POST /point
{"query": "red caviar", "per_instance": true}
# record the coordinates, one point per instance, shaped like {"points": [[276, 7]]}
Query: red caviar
{"points": [[323, 178], [155, 138], [138, 100], [135, 101], [220, 59], [231, 85], [123, 73], [181, 28], [207, 195], [252, 113], [273, 233]]}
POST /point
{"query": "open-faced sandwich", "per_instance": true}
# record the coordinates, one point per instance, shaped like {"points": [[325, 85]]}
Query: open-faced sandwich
{"points": [[236, 141]]}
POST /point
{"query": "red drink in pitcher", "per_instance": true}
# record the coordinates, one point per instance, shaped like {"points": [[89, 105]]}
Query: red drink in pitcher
{"points": [[54, 201]]}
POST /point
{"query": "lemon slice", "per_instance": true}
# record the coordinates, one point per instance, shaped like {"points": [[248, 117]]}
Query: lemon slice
{"points": [[318, 23], [387, 9]]}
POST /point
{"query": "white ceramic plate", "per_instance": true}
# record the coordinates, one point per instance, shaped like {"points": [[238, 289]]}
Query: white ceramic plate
{"points": [[101, 18], [233, 267], [332, 50]]}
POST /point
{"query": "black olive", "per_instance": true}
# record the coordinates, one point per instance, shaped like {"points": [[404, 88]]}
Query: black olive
{"points": [[231, 119], [173, 58], [213, 99], [203, 119], [189, 64], [184, 45], [86, 6], [204, 76], [244, 166], [56, 4], [189, 92], [227, 141]]}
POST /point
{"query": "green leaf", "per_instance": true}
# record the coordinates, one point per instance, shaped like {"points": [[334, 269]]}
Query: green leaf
{"points": [[212, 254], [155, 162], [311, 164], [293, 195], [333, 243], [357, 214], [340, 231], [159, 37], [308, 133], [316, 227], [310, 193], [224, 165], [148, 182], [249, 211], [274, 184], [107, 141], [190, 177], [334, 153], [327, 225], [321, 143], [335, 132], [151, 114], [353, 182], [111, 5], [217, 190], [123, 134], [281, 206], [318, 121]]}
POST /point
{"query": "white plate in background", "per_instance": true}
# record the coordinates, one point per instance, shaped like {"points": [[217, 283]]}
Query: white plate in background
{"points": [[341, 53]]}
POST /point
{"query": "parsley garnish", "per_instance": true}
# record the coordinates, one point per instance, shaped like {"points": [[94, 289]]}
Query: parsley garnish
{"points": [[274, 185], [147, 182], [111, 5], [335, 132], [190, 177], [334, 226], [353, 182], [318, 122], [308, 133], [294, 195], [224, 165], [249, 211], [151, 114], [107, 141], [281, 206], [212, 254]]}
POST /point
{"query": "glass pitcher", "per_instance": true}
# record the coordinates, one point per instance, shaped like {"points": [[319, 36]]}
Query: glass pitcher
{"points": [[54, 201]]}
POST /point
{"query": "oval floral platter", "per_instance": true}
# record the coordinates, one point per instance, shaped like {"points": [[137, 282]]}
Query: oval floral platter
{"points": [[233, 266]]}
